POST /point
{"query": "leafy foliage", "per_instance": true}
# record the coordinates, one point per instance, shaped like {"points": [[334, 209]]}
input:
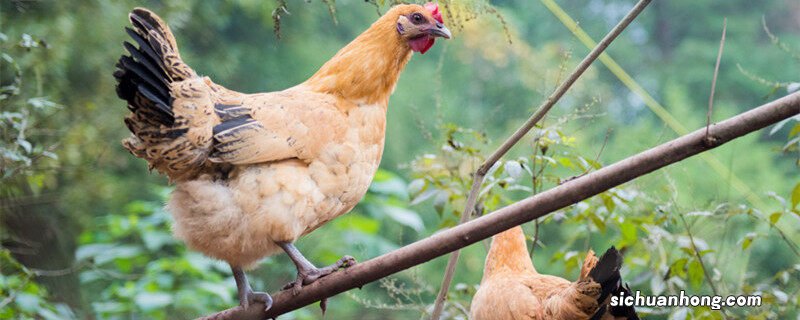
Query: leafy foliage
{"points": [[137, 268], [22, 297], [20, 152]]}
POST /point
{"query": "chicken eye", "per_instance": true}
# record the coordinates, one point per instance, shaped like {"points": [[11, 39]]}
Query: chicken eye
{"points": [[416, 18]]}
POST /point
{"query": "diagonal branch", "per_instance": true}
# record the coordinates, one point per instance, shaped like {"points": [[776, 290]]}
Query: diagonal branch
{"points": [[716, 72], [523, 211], [477, 179]]}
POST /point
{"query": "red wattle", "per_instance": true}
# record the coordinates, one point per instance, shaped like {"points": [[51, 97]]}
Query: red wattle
{"points": [[421, 44]]}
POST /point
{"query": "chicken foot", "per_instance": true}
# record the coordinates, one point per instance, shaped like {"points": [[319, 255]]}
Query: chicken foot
{"points": [[307, 273], [246, 295]]}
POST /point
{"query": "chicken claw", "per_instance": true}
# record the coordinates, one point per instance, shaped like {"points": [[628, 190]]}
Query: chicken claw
{"points": [[246, 295], [306, 275]]}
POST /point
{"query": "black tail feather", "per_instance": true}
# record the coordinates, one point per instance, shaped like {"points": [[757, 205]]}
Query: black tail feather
{"points": [[144, 76], [158, 101], [147, 62], [624, 312], [606, 273], [139, 22], [142, 79], [146, 49]]}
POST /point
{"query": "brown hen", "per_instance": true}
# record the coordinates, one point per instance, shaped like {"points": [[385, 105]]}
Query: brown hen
{"points": [[511, 287], [255, 172]]}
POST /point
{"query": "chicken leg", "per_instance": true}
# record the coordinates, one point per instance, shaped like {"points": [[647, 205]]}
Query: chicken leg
{"points": [[246, 294], [307, 273]]}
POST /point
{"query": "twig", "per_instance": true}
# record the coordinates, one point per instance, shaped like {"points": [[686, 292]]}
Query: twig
{"points": [[536, 187], [777, 41], [535, 236], [521, 212], [58, 272], [596, 158], [700, 257], [8, 299], [714, 80], [791, 244], [521, 132]]}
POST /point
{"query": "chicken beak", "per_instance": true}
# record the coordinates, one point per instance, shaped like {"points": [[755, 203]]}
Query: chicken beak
{"points": [[440, 31]]}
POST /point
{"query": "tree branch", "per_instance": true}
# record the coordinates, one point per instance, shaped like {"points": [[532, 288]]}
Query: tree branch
{"points": [[477, 179], [523, 211], [716, 72]]}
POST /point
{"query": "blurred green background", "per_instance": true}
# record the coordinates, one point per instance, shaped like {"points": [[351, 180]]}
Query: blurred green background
{"points": [[84, 234]]}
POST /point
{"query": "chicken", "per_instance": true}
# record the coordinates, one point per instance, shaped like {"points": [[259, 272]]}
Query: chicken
{"points": [[512, 289], [255, 172]]}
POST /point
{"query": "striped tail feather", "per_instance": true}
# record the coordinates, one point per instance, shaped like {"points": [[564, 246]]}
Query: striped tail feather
{"points": [[146, 78]]}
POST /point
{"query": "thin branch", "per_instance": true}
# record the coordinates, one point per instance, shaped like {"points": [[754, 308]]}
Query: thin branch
{"points": [[716, 72], [536, 177], [59, 272], [535, 237], [700, 257], [596, 158], [791, 244], [521, 132], [523, 211], [8, 299]]}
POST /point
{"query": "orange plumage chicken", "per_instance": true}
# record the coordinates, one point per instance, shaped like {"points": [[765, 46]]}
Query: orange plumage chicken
{"points": [[511, 287], [255, 172]]}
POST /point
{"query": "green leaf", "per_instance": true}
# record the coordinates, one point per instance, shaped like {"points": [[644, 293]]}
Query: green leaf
{"points": [[388, 183], [105, 253], [796, 196], [108, 307], [358, 222], [678, 267], [91, 250], [657, 285], [566, 162], [152, 300], [28, 302], [628, 230], [680, 314], [792, 142], [695, 273], [416, 186], [427, 194], [405, 217], [599, 223], [778, 126], [748, 240], [608, 202], [25, 145], [795, 130], [219, 290], [154, 240], [774, 217], [440, 202]]}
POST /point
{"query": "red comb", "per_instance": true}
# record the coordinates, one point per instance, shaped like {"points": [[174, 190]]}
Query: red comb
{"points": [[434, 9]]}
